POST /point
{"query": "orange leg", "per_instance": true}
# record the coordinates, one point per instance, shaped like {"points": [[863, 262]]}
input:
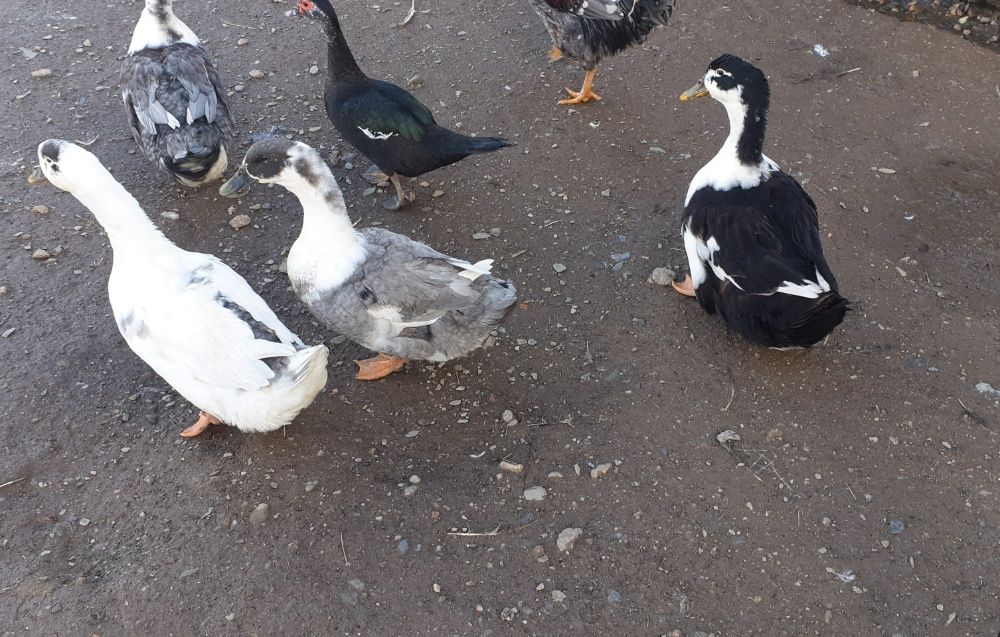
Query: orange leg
{"points": [[379, 366], [555, 54], [205, 420], [586, 93], [685, 287]]}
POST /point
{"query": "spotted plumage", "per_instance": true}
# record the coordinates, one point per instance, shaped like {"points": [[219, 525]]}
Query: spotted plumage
{"points": [[382, 290], [189, 316], [588, 39], [594, 9], [751, 232], [174, 98]]}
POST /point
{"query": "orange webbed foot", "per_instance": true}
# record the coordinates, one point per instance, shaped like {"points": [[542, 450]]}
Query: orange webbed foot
{"points": [[685, 287], [379, 366], [205, 420]]}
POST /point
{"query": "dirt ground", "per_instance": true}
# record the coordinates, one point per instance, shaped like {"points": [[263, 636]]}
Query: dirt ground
{"points": [[863, 498]]}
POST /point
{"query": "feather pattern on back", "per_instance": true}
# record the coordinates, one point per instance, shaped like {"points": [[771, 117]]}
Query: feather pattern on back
{"points": [[175, 101]]}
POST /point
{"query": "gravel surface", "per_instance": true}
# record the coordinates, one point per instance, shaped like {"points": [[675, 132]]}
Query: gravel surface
{"points": [[858, 497]]}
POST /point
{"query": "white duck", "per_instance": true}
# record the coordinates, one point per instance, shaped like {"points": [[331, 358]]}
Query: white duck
{"points": [[380, 289], [193, 319], [175, 102]]}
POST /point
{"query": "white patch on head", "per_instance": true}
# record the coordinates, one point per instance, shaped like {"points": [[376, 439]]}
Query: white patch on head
{"points": [[152, 33], [375, 134]]}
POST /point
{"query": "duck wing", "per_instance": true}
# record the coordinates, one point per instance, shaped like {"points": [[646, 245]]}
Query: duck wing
{"points": [[209, 324], [763, 240], [411, 284], [172, 86], [385, 110]]}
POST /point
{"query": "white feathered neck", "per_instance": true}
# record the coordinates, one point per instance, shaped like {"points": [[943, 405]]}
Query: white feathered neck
{"points": [[328, 249], [128, 227], [159, 27], [725, 171]]}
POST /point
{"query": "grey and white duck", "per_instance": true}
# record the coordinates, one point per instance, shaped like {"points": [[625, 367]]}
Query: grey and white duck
{"points": [[175, 102], [384, 291], [189, 316]]}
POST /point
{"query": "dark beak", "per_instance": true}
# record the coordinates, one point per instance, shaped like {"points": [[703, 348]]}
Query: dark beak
{"points": [[36, 177], [238, 186]]}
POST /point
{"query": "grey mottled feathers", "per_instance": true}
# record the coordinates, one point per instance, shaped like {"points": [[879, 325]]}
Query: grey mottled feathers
{"points": [[177, 109], [417, 280], [409, 300]]}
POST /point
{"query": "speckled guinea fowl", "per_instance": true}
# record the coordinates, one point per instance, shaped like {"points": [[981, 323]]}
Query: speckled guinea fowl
{"points": [[588, 39], [384, 122], [751, 232], [380, 289], [189, 316], [175, 101]]}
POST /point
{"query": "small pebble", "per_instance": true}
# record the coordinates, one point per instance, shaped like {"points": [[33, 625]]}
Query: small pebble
{"points": [[41, 73], [567, 538], [662, 276], [600, 470], [41, 255], [534, 494], [558, 596], [403, 547], [614, 597], [896, 526], [259, 514], [239, 221], [257, 74], [512, 467], [437, 193], [313, 70], [40, 209], [558, 268], [242, 42], [311, 485]]}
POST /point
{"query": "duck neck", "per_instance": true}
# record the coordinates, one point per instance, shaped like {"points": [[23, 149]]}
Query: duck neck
{"points": [[747, 125], [124, 221], [340, 63], [324, 213], [159, 27]]}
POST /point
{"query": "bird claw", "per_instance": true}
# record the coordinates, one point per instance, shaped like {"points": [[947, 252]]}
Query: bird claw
{"points": [[398, 203], [375, 176], [580, 97]]}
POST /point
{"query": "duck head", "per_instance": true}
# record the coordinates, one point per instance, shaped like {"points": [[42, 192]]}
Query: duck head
{"points": [[276, 161], [64, 165], [743, 89], [731, 80], [320, 10]]}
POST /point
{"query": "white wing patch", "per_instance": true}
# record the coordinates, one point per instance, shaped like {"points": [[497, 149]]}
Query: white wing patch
{"points": [[694, 247], [807, 289], [375, 134]]}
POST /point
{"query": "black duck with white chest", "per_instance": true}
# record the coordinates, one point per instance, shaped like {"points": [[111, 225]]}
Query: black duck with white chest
{"points": [[384, 122], [751, 232], [175, 101]]}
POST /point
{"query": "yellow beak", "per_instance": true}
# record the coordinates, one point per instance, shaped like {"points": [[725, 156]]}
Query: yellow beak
{"points": [[696, 91]]}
